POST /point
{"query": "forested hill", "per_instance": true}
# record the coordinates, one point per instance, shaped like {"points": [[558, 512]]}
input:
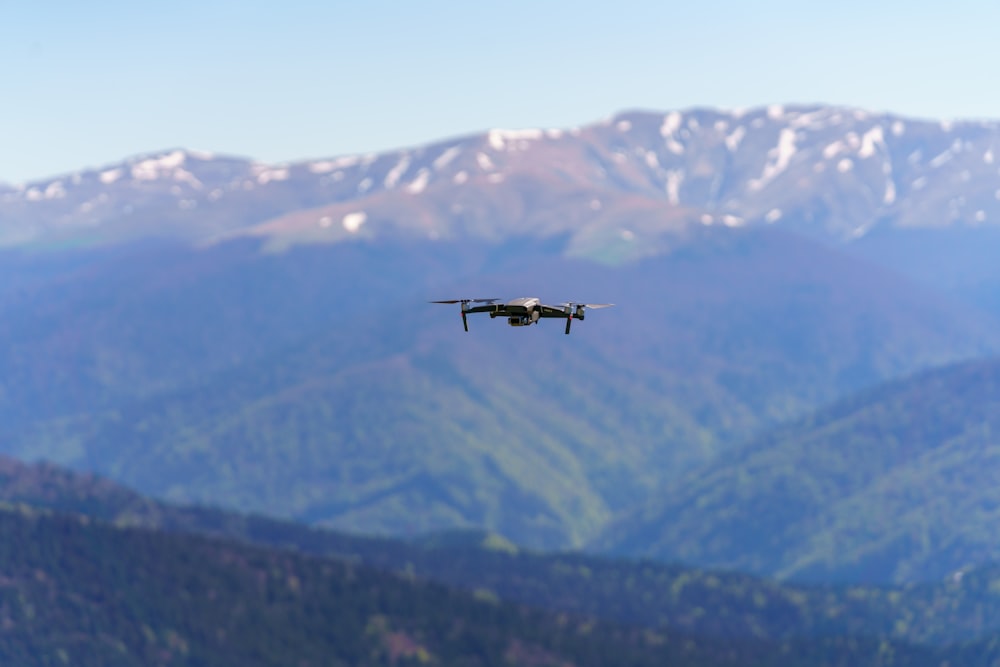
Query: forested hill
{"points": [[75, 591], [659, 597], [896, 483]]}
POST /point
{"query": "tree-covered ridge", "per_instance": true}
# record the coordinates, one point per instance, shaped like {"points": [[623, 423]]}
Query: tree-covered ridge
{"points": [[78, 591], [648, 594], [897, 483]]}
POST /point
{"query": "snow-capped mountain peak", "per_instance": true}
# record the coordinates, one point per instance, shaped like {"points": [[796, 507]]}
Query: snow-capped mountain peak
{"points": [[829, 171]]}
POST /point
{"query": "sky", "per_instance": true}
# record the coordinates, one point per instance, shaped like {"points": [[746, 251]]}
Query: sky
{"points": [[89, 84]]}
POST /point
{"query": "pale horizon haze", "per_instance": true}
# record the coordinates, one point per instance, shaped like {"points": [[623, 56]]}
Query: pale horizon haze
{"points": [[90, 85]]}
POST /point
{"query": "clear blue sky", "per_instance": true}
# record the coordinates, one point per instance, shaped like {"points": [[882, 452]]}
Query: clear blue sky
{"points": [[87, 84]]}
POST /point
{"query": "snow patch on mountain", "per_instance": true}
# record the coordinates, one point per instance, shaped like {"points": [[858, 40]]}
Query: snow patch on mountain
{"points": [[321, 167], [419, 184], [111, 175], [941, 158], [811, 120], [513, 139], [832, 149], [674, 179], [735, 137], [484, 161], [671, 124], [446, 157], [265, 175], [154, 168], [55, 190], [352, 221], [397, 172], [779, 158], [889, 195], [870, 141]]}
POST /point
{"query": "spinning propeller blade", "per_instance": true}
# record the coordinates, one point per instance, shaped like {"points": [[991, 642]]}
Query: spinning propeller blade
{"points": [[577, 304], [466, 301]]}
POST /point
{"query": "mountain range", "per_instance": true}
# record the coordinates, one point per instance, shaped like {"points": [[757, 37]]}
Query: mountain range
{"points": [[215, 330], [833, 172]]}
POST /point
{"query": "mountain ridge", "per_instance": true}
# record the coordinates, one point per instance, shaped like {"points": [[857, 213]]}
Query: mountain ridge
{"points": [[835, 173]]}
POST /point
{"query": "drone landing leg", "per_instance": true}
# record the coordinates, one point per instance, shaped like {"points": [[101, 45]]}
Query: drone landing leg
{"points": [[569, 321], [465, 322]]}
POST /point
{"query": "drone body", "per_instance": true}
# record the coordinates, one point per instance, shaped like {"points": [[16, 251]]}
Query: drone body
{"points": [[524, 311]]}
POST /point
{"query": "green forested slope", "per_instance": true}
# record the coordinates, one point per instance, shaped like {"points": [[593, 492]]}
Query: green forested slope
{"points": [[323, 387], [649, 594], [894, 484], [78, 592]]}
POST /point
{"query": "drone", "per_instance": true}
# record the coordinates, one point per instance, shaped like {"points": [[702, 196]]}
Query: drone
{"points": [[524, 311]]}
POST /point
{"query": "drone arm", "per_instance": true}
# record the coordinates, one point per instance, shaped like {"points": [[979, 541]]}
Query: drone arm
{"points": [[552, 311], [491, 308]]}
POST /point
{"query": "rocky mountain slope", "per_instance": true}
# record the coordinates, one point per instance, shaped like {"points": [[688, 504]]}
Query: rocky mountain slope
{"points": [[836, 173]]}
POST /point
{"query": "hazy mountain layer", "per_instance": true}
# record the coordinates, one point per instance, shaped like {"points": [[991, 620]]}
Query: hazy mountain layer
{"points": [[894, 484], [320, 384]]}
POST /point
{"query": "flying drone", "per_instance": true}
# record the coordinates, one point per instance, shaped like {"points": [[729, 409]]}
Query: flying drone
{"points": [[524, 311]]}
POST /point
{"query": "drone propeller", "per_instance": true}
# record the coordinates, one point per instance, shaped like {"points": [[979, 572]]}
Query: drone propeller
{"points": [[577, 304], [466, 301], [575, 309]]}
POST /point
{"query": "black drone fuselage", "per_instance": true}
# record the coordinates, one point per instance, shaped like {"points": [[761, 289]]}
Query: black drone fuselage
{"points": [[523, 311]]}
